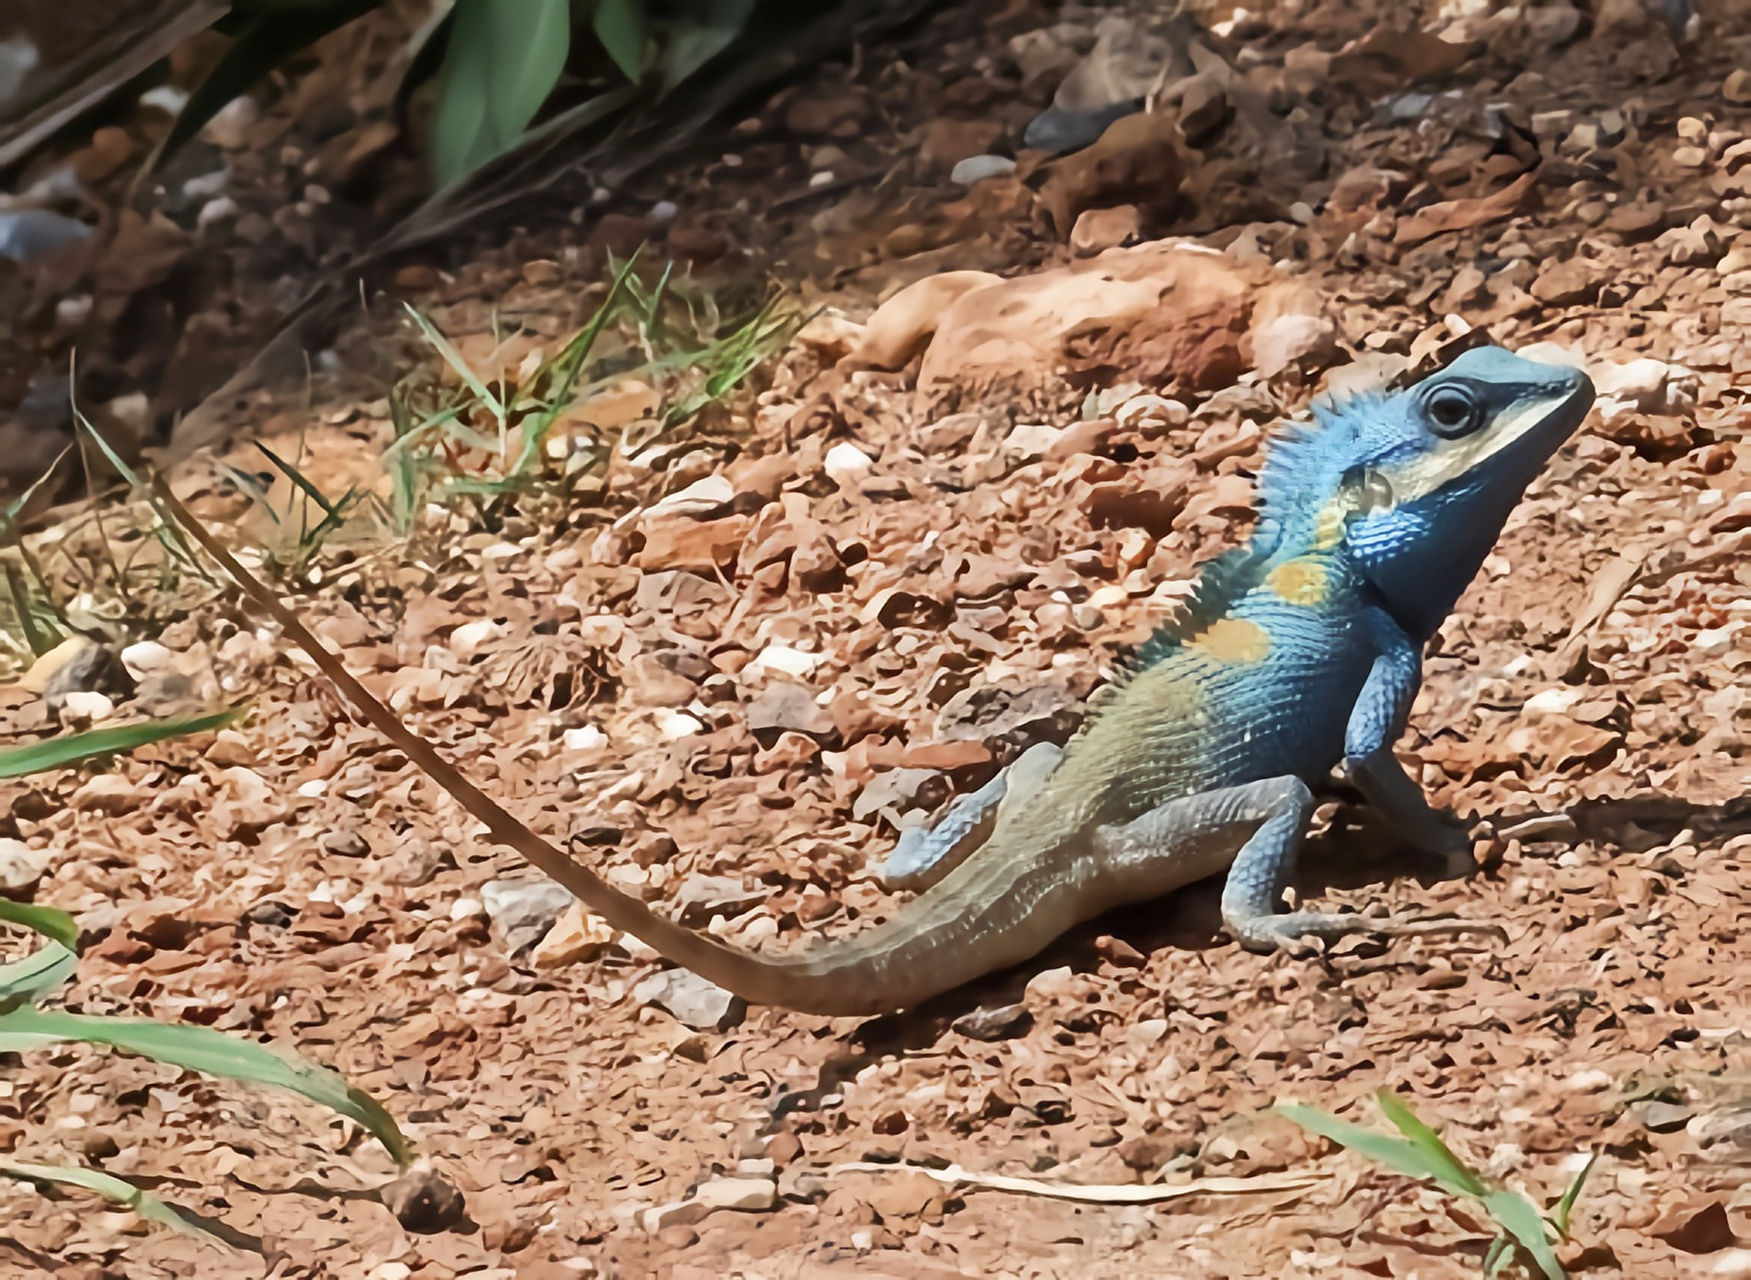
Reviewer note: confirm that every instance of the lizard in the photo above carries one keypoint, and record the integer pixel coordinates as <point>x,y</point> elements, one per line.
<point>1297,654</point>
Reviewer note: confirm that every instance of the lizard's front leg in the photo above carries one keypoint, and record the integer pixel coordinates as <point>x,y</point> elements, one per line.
<point>1375,721</point>
<point>924,855</point>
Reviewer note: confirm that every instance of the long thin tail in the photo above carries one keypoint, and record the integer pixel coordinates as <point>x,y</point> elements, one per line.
<point>927,950</point>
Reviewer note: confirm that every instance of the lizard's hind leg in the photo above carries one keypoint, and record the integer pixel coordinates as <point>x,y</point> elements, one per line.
<point>1187,839</point>
<point>925,855</point>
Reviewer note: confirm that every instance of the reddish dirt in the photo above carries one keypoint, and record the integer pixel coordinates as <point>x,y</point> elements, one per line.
<point>296,880</point>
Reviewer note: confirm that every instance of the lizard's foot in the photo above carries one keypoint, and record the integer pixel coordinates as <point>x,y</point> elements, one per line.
<point>924,855</point>
<point>1302,933</point>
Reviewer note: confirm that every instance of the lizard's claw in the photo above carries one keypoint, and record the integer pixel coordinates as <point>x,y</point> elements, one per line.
<point>1434,926</point>
<point>1302,934</point>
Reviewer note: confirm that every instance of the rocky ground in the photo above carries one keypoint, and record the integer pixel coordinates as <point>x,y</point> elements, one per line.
<point>746,650</point>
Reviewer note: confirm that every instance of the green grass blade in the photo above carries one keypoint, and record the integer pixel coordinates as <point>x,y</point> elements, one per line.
<point>169,536</point>
<point>18,504</point>
<point>56,753</point>
<point>1498,1255</point>
<point>1559,1217</point>
<point>211,1053</point>
<point>53,923</point>
<point>252,488</point>
<point>43,970</point>
<point>454,359</point>
<point>109,453</point>
<point>111,1188</point>
<point>298,478</point>
<point>24,609</point>
<point>1396,1154</point>
<point>1453,1171</point>
<point>570,361</point>
<point>1520,1218</point>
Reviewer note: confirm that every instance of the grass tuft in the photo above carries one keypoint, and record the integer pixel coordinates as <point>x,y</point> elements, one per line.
<point>1420,1153</point>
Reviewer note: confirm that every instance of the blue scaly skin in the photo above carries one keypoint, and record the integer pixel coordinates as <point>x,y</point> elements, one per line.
<point>1331,603</point>
<point>1298,653</point>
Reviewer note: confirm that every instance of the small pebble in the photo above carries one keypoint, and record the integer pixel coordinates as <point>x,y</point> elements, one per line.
<point>846,464</point>
<point>978,168</point>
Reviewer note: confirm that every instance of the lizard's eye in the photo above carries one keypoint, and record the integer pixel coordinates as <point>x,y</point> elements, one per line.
<point>1453,411</point>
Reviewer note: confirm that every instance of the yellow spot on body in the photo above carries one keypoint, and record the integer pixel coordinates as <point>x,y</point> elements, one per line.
<point>1233,640</point>
<point>1328,530</point>
<point>1299,582</point>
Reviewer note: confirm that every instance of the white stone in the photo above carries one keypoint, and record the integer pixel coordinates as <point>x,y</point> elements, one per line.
<point>1642,379</point>
<point>464,908</point>
<point>747,1194</point>
<point>978,168</point>
<point>88,705</point>
<point>20,865</point>
<point>1714,641</point>
<point>166,98</point>
<point>699,498</point>
<point>675,725</point>
<point>229,128</point>
<point>1030,441</point>
<point>845,463</point>
<point>1152,411</point>
<point>1553,353</point>
<point>784,660</point>
<point>694,1001</point>
<point>587,740</point>
<point>1553,702</point>
<point>467,639</point>
<point>145,657</point>
<point>524,910</point>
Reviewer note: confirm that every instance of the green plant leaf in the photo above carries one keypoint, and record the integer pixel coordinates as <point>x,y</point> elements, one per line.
<point>1395,1153</point>
<point>263,40</point>
<point>56,753</point>
<point>500,63</point>
<point>1520,1218</point>
<point>169,535</point>
<point>619,25</point>
<point>1559,1216</point>
<point>1422,1154</point>
<point>24,608</point>
<point>462,368</point>
<point>210,1052</point>
<point>43,970</point>
<point>696,38</point>
<point>53,923</point>
<point>1451,1170</point>
<point>110,1187</point>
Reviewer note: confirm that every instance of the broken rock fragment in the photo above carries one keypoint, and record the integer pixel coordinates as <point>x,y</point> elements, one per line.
<point>523,910</point>
<point>694,1002</point>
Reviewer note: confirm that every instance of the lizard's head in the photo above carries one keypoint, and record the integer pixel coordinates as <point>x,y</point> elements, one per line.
<point>1417,484</point>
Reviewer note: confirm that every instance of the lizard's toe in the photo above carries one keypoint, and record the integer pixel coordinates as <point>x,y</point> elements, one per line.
<point>1435,926</point>
<point>1302,934</point>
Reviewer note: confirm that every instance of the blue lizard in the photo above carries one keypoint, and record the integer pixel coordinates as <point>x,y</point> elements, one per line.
<point>1298,653</point>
